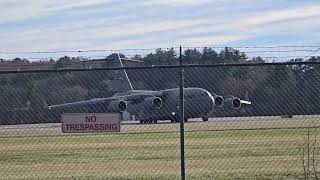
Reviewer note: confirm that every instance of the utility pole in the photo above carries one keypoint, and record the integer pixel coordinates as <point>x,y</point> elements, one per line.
<point>182,156</point>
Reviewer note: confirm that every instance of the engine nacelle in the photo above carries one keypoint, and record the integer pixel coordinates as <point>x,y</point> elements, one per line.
<point>233,102</point>
<point>118,106</point>
<point>154,102</point>
<point>218,101</point>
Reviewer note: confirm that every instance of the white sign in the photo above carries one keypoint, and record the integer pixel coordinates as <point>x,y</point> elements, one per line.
<point>90,122</point>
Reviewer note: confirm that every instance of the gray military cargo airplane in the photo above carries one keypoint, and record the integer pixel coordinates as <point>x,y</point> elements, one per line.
<point>150,106</point>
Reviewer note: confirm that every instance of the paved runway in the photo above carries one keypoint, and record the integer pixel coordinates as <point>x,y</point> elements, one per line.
<point>211,120</point>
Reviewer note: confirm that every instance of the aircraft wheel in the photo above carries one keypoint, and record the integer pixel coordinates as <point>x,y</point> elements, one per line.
<point>144,121</point>
<point>185,119</point>
<point>205,119</point>
<point>155,121</point>
<point>141,121</point>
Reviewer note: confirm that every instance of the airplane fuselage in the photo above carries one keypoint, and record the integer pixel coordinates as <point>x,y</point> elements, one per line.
<point>197,103</point>
<point>141,103</point>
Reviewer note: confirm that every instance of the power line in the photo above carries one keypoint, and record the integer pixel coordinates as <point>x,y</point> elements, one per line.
<point>131,56</point>
<point>254,47</point>
<point>281,57</point>
<point>311,53</point>
<point>167,48</point>
<point>80,51</point>
<point>282,51</point>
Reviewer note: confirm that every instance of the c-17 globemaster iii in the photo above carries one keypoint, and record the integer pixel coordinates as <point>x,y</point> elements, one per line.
<point>150,106</point>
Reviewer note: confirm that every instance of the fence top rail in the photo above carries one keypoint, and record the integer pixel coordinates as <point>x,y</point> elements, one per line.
<point>160,67</point>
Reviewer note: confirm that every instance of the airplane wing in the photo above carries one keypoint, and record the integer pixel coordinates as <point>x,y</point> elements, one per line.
<point>110,104</point>
<point>235,102</point>
<point>86,102</point>
<point>230,101</point>
<point>245,102</point>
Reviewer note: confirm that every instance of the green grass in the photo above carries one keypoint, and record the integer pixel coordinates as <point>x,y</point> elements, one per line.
<point>214,150</point>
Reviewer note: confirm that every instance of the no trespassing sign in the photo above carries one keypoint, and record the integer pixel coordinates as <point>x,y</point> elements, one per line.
<point>90,122</point>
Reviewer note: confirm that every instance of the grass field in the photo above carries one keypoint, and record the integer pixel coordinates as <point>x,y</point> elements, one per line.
<point>226,149</point>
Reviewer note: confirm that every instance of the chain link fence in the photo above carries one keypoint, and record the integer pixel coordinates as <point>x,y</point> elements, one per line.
<point>241,121</point>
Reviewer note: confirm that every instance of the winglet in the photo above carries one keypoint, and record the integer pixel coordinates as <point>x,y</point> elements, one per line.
<point>125,73</point>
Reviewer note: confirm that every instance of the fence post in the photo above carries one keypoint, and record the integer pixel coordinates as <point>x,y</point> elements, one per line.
<point>181,84</point>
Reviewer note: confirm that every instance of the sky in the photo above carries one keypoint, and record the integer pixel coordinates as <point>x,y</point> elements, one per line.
<point>30,26</point>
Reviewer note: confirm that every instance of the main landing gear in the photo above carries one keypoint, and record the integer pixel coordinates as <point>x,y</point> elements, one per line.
<point>148,122</point>
<point>205,118</point>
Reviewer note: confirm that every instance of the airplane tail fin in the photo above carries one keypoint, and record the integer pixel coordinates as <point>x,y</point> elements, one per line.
<point>125,73</point>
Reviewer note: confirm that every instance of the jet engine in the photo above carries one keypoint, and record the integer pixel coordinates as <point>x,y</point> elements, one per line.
<point>218,101</point>
<point>118,106</point>
<point>233,102</point>
<point>154,102</point>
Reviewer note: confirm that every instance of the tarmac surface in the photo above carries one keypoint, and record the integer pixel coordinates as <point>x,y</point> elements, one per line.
<point>252,119</point>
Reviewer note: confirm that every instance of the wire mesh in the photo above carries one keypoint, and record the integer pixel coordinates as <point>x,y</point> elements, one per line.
<point>273,137</point>
<point>33,146</point>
